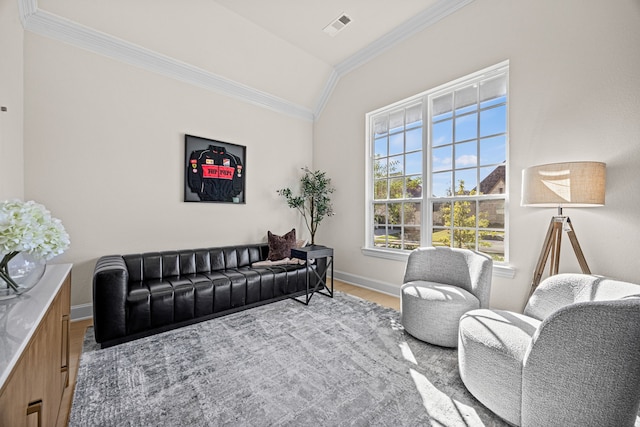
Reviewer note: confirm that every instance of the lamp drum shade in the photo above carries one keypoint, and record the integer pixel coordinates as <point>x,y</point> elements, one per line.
<point>579,184</point>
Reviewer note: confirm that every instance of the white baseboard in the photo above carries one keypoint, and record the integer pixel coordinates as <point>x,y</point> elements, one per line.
<point>82,311</point>
<point>363,282</point>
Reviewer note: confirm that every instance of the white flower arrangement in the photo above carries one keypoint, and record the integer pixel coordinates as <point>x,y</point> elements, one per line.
<point>28,227</point>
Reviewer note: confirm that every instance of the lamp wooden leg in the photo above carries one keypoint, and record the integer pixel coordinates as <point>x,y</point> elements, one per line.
<point>555,249</point>
<point>577,249</point>
<point>544,254</point>
<point>552,244</point>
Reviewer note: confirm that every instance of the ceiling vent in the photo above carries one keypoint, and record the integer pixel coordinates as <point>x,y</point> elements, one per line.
<point>337,25</point>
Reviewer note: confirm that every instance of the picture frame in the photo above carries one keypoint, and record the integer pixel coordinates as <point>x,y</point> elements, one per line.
<point>214,171</point>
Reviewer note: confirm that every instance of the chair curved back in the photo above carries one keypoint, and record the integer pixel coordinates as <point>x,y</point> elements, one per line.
<point>583,364</point>
<point>561,290</point>
<point>463,268</point>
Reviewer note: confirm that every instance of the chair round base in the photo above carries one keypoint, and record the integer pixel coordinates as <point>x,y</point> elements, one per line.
<point>431,311</point>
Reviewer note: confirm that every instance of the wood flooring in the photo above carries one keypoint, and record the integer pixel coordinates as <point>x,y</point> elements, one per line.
<point>78,329</point>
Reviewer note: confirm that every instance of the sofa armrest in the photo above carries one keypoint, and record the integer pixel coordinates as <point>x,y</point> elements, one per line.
<point>110,281</point>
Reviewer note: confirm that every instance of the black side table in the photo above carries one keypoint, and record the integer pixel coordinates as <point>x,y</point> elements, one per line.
<point>316,252</point>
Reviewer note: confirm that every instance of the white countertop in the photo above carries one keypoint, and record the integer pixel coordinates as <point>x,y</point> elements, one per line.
<point>20,316</point>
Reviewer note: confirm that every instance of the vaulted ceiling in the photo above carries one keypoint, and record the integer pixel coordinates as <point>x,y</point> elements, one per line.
<point>271,53</point>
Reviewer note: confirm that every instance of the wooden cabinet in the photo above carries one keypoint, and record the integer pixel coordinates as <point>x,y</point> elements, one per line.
<point>32,391</point>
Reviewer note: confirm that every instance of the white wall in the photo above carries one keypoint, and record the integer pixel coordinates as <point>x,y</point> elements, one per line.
<point>574,93</point>
<point>104,143</point>
<point>11,94</point>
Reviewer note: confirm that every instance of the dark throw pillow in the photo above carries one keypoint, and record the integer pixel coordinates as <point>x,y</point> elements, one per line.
<point>280,246</point>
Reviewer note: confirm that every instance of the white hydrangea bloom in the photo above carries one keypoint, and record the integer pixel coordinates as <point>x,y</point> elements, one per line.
<point>29,227</point>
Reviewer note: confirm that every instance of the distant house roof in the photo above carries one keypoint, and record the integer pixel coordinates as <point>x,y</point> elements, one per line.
<point>491,184</point>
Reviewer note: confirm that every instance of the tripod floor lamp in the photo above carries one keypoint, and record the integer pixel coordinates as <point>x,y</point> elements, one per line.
<point>558,185</point>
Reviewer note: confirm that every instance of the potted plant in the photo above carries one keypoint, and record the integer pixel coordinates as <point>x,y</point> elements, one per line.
<point>314,201</point>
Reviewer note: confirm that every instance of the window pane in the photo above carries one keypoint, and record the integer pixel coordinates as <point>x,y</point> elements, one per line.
<point>380,237</point>
<point>396,121</point>
<point>493,151</point>
<point>442,133</point>
<point>464,214</point>
<point>466,127</point>
<point>395,188</point>
<point>412,213</point>
<point>493,121</point>
<point>441,237</point>
<point>380,168</point>
<point>380,192</point>
<point>466,182</point>
<point>394,237</point>
<point>379,224</point>
<point>441,183</point>
<point>379,213</point>
<point>414,115</point>
<point>380,125</point>
<point>491,213</point>
<point>396,143</point>
<point>396,165</point>
<point>380,147</point>
<point>441,159</point>
<point>493,89</point>
<point>395,213</point>
<point>413,163</point>
<point>465,239</point>
<point>466,155</point>
<point>442,107</point>
<point>493,180</point>
<point>492,244</point>
<point>466,99</point>
<point>441,211</point>
<point>414,139</point>
<point>411,238</point>
<point>414,186</point>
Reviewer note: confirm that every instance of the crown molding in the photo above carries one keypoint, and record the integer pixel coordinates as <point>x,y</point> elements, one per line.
<point>59,28</point>
<point>421,21</point>
<point>326,92</point>
<point>62,29</point>
<point>26,9</point>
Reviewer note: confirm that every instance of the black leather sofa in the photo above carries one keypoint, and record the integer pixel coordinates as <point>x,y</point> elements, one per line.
<point>143,294</point>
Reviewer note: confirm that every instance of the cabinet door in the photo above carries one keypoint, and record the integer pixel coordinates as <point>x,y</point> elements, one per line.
<point>31,395</point>
<point>13,400</point>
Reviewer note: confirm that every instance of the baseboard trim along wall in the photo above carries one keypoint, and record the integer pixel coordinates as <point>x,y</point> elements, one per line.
<point>363,282</point>
<point>82,311</point>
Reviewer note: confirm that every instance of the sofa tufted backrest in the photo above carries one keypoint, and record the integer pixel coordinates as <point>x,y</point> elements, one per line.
<point>157,265</point>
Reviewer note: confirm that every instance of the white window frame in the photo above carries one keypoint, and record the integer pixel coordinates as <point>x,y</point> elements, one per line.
<point>369,248</point>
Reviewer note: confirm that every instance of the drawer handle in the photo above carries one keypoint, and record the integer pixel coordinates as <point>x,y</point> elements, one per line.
<point>36,408</point>
<point>65,343</point>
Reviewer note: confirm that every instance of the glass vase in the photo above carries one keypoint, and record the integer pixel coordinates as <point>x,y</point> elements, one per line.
<point>25,270</point>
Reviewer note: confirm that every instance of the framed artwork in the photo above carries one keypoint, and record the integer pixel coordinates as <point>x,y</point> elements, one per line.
<point>214,171</point>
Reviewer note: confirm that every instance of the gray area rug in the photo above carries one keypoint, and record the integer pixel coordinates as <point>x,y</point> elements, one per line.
<point>338,362</point>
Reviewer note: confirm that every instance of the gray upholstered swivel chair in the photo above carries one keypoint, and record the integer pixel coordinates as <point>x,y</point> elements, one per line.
<point>440,285</point>
<point>572,358</point>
